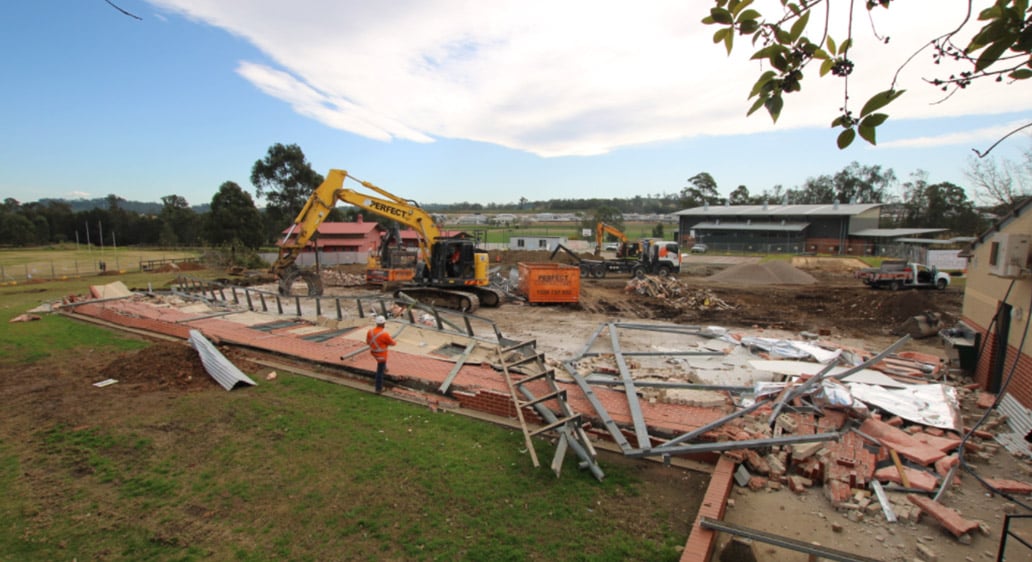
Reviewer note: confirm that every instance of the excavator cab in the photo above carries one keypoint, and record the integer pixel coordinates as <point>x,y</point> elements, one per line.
<point>454,261</point>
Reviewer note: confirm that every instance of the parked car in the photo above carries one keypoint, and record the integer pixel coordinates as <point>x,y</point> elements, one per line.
<point>612,247</point>
<point>699,249</point>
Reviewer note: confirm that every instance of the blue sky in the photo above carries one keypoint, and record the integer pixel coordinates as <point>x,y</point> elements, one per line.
<point>444,101</point>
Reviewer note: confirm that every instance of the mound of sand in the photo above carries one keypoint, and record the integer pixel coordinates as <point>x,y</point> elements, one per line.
<point>769,273</point>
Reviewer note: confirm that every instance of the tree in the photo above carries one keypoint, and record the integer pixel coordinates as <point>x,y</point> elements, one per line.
<point>740,196</point>
<point>854,183</point>
<point>286,180</point>
<point>179,222</point>
<point>701,189</point>
<point>1001,49</point>
<point>233,218</point>
<point>1001,185</point>
<point>940,205</point>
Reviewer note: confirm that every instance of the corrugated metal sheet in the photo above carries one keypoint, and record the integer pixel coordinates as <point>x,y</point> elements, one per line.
<point>776,210</point>
<point>221,369</point>
<point>776,226</point>
<point>1019,419</point>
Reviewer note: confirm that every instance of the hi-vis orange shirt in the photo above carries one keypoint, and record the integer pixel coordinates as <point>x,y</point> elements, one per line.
<point>379,339</point>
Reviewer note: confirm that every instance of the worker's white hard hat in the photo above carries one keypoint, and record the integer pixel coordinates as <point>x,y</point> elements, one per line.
<point>380,320</point>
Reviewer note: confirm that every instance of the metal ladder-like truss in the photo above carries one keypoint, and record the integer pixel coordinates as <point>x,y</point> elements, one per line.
<point>522,365</point>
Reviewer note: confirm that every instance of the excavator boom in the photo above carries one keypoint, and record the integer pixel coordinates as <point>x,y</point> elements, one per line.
<point>466,270</point>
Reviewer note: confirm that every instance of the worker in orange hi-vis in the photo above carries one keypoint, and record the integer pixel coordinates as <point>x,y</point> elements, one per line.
<point>379,339</point>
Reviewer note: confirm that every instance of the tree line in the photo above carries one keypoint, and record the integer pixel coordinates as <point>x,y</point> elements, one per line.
<point>285,180</point>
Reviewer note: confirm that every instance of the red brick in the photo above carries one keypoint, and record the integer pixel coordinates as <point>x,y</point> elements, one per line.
<point>949,518</point>
<point>918,478</point>
<point>985,400</point>
<point>905,444</point>
<point>1009,486</point>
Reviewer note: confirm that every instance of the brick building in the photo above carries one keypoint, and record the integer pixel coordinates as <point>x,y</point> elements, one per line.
<point>997,303</point>
<point>358,236</point>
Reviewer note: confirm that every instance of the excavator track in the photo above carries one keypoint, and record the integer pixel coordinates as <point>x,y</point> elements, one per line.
<point>490,297</point>
<point>444,298</point>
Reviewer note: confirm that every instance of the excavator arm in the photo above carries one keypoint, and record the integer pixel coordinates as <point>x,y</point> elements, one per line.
<point>601,229</point>
<point>322,201</point>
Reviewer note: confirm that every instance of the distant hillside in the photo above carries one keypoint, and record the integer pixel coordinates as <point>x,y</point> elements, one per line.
<point>140,207</point>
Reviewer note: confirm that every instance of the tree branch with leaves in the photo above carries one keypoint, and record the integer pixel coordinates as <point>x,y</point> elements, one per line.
<point>789,42</point>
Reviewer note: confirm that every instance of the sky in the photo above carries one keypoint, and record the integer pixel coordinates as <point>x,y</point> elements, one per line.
<point>445,101</point>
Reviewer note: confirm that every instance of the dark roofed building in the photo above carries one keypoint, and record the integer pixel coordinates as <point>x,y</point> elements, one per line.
<point>826,229</point>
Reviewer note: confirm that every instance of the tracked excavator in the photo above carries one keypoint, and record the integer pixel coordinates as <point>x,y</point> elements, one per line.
<point>452,272</point>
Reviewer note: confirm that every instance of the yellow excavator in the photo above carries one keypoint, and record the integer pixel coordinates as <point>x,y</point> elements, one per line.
<point>626,249</point>
<point>452,272</point>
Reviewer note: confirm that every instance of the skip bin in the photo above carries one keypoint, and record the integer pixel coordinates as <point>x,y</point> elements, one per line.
<point>549,282</point>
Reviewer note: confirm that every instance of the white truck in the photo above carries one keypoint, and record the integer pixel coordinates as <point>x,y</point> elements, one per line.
<point>896,275</point>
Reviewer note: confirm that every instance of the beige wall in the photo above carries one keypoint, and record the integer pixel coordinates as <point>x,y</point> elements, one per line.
<point>984,292</point>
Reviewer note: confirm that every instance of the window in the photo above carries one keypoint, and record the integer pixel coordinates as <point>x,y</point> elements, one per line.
<point>520,243</point>
<point>542,243</point>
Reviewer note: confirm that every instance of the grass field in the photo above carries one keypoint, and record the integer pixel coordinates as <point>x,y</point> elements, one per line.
<point>57,262</point>
<point>296,469</point>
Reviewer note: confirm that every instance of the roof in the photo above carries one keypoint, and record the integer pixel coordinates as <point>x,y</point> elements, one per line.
<point>894,232</point>
<point>359,228</point>
<point>938,241</point>
<point>778,210</point>
<point>775,226</point>
<point>1019,209</point>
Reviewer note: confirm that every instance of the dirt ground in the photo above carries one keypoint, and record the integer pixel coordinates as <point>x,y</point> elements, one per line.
<point>833,305</point>
<point>840,309</point>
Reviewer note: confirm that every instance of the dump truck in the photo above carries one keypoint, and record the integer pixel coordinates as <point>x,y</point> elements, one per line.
<point>895,275</point>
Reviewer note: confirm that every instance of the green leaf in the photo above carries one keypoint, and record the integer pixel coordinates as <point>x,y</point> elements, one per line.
<point>845,46</point>
<point>774,105</point>
<point>719,34</point>
<point>729,41</point>
<point>748,27</point>
<point>721,16</point>
<point>880,100</point>
<point>873,120</point>
<point>845,138</point>
<point>708,20</point>
<point>992,53</point>
<point>779,62</point>
<point>831,46</point>
<point>749,15</point>
<point>799,26</point>
<point>826,66</point>
<point>739,6</point>
<point>768,52</point>
<point>867,133</point>
<point>759,103</point>
<point>1021,74</point>
<point>782,36</point>
<point>761,82</point>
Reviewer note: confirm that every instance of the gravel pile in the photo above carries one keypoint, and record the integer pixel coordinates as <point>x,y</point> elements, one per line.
<point>767,273</point>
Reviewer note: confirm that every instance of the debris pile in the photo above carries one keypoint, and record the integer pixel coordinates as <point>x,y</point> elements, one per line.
<point>340,278</point>
<point>677,293</point>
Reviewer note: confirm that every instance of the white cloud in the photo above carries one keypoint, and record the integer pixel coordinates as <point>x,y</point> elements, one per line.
<point>552,78</point>
<point>986,135</point>
<point>78,195</point>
